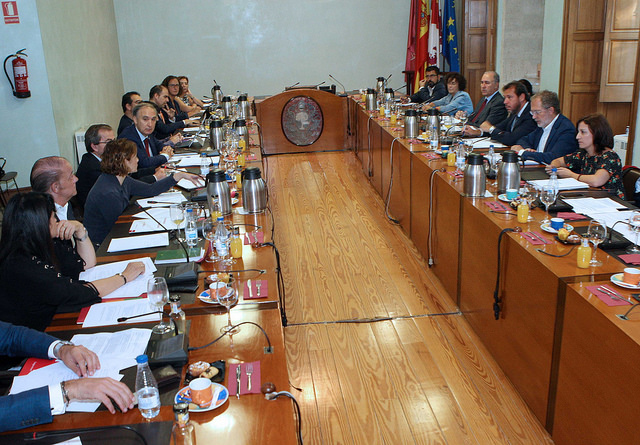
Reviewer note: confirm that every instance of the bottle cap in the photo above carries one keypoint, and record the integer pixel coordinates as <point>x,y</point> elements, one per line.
<point>174,298</point>
<point>220,218</point>
<point>142,358</point>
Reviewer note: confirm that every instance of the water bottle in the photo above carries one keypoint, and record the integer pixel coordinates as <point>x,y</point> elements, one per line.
<point>493,170</point>
<point>221,239</point>
<point>434,137</point>
<point>460,157</point>
<point>205,165</point>
<point>183,431</point>
<point>553,181</point>
<point>191,229</point>
<point>177,314</point>
<point>146,389</point>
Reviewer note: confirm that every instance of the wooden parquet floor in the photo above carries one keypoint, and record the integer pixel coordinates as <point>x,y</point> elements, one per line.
<point>380,351</point>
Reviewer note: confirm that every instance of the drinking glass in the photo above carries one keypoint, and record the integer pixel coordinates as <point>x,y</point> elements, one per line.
<point>463,116</point>
<point>596,233</point>
<point>158,295</point>
<point>227,297</point>
<point>634,223</point>
<point>529,193</point>
<point>176,212</point>
<point>547,197</point>
<point>468,147</point>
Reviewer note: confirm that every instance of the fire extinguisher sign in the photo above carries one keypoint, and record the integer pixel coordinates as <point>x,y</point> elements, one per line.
<point>10,12</point>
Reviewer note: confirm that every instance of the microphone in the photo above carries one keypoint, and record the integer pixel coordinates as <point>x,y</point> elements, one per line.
<point>316,86</point>
<point>186,251</point>
<point>288,88</point>
<point>344,90</point>
<point>400,87</point>
<point>214,81</point>
<point>121,319</point>
<point>387,79</point>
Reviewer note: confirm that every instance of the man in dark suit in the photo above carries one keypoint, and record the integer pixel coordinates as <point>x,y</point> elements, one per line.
<point>167,125</point>
<point>38,405</point>
<point>431,87</point>
<point>519,123</point>
<point>555,135</point>
<point>151,153</point>
<point>491,107</point>
<point>129,100</point>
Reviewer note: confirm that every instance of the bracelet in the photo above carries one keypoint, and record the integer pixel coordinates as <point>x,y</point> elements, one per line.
<point>65,394</point>
<point>578,178</point>
<point>123,277</point>
<point>86,234</point>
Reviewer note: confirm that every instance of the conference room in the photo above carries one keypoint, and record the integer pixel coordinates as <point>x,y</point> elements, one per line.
<point>373,277</point>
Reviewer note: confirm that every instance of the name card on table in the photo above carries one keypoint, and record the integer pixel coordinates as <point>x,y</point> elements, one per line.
<point>139,242</point>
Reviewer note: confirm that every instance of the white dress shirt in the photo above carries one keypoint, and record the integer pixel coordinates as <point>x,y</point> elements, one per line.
<point>545,135</point>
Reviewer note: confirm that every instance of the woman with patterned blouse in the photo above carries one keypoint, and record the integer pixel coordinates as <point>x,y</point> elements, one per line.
<point>40,265</point>
<point>595,162</point>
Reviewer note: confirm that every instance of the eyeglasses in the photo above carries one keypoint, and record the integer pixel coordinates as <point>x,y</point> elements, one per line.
<point>174,85</point>
<point>536,112</point>
<point>104,142</point>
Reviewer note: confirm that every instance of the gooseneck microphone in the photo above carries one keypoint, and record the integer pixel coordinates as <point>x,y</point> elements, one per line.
<point>288,88</point>
<point>344,90</point>
<point>316,86</point>
<point>387,79</point>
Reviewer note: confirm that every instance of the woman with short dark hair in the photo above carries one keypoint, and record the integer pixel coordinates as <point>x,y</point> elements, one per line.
<point>40,266</point>
<point>456,100</point>
<point>111,193</point>
<point>595,162</point>
<point>182,110</point>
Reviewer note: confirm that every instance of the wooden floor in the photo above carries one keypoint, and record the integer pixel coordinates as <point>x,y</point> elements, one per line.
<point>381,353</point>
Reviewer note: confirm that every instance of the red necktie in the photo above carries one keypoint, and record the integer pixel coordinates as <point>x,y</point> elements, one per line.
<point>484,103</point>
<point>146,146</point>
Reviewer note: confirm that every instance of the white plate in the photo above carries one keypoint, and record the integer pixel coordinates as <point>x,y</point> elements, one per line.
<point>205,296</point>
<point>617,280</point>
<point>183,396</point>
<point>503,197</point>
<point>547,228</point>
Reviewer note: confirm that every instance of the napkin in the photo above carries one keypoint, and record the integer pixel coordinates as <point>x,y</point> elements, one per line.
<point>250,237</point>
<point>631,258</point>
<point>571,216</point>
<point>254,290</point>
<point>244,379</point>
<point>498,206</point>
<point>456,174</point>
<point>250,157</point>
<point>605,298</point>
<point>430,155</point>
<point>533,239</point>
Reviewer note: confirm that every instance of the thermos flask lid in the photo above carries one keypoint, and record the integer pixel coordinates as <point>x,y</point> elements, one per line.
<point>240,123</point>
<point>371,91</point>
<point>217,175</point>
<point>226,99</point>
<point>252,173</point>
<point>410,113</point>
<point>388,90</point>
<point>509,156</point>
<point>216,123</point>
<point>475,159</point>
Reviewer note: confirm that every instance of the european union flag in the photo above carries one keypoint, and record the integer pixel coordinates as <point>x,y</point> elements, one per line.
<point>450,36</point>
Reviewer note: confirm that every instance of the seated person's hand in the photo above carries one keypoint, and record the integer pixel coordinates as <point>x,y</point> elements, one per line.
<point>170,111</point>
<point>422,82</point>
<point>469,130</point>
<point>195,179</point>
<point>563,172</point>
<point>191,123</point>
<point>68,228</point>
<point>105,390</point>
<point>176,138</point>
<point>133,270</point>
<point>160,173</point>
<point>486,126</point>
<point>79,359</point>
<point>426,107</point>
<point>166,150</point>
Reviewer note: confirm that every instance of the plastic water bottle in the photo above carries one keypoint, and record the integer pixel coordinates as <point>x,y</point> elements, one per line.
<point>205,165</point>
<point>191,229</point>
<point>177,314</point>
<point>147,389</point>
<point>221,236</point>
<point>434,137</point>
<point>553,180</point>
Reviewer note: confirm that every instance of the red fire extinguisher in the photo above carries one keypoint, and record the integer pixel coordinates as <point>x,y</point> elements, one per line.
<point>20,74</point>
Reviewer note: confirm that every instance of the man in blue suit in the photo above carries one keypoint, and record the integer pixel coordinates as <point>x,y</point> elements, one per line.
<point>38,405</point>
<point>555,135</point>
<point>151,153</point>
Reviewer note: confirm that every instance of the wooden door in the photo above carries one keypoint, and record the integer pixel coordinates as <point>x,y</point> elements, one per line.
<point>478,51</point>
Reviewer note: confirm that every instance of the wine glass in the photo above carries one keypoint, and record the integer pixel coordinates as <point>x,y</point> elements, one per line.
<point>468,147</point>
<point>463,116</point>
<point>176,212</point>
<point>227,296</point>
<point>634,223</point>
<point>597,233</point>
<point>547,197</point>
<point>158,295</point>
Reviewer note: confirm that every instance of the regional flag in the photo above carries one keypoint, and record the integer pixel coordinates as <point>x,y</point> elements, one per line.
<point>450,36</point>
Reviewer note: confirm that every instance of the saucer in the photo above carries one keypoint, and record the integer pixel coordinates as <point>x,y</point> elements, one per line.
<point>184,396</point>
<point>503,197</point>
<point>617,280</point>
<point>547,228</point>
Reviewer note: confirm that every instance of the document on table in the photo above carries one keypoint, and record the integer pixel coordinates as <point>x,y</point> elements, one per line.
<point>149,225</point>
<point>187,160</point>
<point>157,213</point>
<point>592,206</point>
<point>133,288</point>
<point>116,349</point>
<point>139,242</point>
<point>106,314</point>
<point>162,200</point>
<point>484,143</point>
<point>188,185</point>
<point>563,184</point>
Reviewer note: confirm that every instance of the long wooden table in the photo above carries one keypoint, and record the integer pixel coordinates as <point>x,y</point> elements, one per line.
<point>528,340</point>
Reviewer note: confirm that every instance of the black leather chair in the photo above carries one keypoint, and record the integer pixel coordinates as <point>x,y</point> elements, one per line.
<point>5,182</point>
<point>629,177</point>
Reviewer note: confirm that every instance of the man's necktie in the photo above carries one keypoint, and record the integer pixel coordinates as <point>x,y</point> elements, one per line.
<point>146,146</point>
<point>513,123</point>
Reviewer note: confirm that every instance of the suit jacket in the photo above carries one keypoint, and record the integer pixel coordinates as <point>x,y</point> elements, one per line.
<point>165,128</point>
<point>89,171</point>
<point>144,160</point>
<point>494,111</point>
<point>561,141</point>
<point>125,121</point>
<point>30,407</point>
<point>423,96</point>
<point>522,127</point>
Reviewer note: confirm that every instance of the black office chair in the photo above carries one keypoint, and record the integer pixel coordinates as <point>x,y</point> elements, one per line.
<point>630,176</point>
<point>5,179</point>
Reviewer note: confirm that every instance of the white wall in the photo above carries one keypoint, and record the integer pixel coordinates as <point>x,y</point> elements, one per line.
<point>260,46</point>
<point>26,125</point>
<point>551,45</point>
<point>83,64</point>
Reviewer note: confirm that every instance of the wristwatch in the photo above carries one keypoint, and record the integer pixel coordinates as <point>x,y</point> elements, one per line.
<point>56,348</point>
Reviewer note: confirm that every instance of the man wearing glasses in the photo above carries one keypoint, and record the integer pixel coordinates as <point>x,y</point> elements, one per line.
<point>555,135</point>
<point>431,87</point>
<point>95,139</point>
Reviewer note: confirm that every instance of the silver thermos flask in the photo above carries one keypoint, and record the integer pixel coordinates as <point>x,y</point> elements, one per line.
<point>216,94</point>
<point>226,106</point>
<point>475,178</point>
<point>216,134</point>
<point>411,124</point>
<point>508,172</point>
<point>217,187</point>
<point>388,94</point>
<point>254,191</point>
<point>243,107</point>
<point>371,99</point>
<point>381,85</point>
<point>241,127</point>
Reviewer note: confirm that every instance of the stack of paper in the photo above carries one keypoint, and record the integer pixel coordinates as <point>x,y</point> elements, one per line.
<point>133,288</point>
<point>162,200</point>
<point>563,184</point>
<point>138,242</point>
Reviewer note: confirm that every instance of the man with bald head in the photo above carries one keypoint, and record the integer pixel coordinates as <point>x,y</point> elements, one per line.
<point>491,107</point>
<point>54,175</point>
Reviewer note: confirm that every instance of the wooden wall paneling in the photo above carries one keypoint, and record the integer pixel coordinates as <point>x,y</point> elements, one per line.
<point>400,201</point>
<point>618,115</point>
<point>363,143</point>
<point>620,49</point>
<point>478,50</point>
<point>375,136</point>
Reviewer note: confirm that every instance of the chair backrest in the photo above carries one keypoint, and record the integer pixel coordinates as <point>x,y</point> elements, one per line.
<point>630,176</point>
<point>2,162</point>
